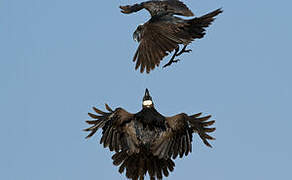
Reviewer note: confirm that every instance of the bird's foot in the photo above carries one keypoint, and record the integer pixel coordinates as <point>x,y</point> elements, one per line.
<point>184,50</point>
<point>170,62</point>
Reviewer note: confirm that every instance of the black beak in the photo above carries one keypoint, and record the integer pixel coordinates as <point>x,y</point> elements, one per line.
<point>147,95</point>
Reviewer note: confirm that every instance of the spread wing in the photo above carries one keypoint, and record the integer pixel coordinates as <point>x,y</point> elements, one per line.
<point>157,40</point>
<point>177,140</point>
<point>159,7</point>
<point>117,133</point>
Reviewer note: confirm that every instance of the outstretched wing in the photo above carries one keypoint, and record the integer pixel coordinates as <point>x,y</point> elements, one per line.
<point>117,133</point>
<point>177,140</point>
<point>157,40</point>
<point>200,125</point>
<point>159,7</point>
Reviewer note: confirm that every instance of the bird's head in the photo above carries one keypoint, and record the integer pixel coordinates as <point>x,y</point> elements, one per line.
<point>147,100</point>
<point>138,32</point>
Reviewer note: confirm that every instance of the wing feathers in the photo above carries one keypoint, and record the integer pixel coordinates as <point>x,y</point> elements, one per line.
<point>155,43</point>
<point>104,136</point>
<point>113,125</point>
<point>201,126</point>
<point>99,111</point>
<point>108,108</point>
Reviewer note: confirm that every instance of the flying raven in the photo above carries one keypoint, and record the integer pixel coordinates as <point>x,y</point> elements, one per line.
<point>147,141</point>
<point>164,32</point>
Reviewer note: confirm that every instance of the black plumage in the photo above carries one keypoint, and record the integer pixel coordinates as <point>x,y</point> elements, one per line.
<point>146,142</point>
<point>164,32</point>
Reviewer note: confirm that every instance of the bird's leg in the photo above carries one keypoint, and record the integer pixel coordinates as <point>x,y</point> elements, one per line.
<point>184,50</point>
<point>172,60</point>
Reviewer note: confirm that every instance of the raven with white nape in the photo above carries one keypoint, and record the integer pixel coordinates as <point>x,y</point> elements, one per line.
<point>164,32</point>
<point>147,141</point>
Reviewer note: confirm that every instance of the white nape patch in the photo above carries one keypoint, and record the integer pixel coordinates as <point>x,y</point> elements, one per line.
<point>147,103</point>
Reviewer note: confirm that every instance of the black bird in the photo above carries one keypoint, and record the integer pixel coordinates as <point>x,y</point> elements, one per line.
<point>164,32</point>
<point>148,141</point>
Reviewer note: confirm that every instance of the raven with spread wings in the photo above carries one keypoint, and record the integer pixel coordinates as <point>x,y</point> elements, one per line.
<point>164,32</point>
<point>146,142</point>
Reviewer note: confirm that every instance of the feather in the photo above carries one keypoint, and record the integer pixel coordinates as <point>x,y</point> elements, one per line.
<point>98,111</point>
<point>181,152</point>
<point>110,139</point>
<point>171,148</point>
<point>209,123</point>
<point>195,115</point>
<point>141,167</point>
<point>104,136</point>
<point>164,153</point>
<point>122,167</point>
<point>116,141</point>
<point>135,58</point>
<point>206,143</point>
<point>142,56</point>
<point>93,122</point>
<point>94,116</point>
<point>91,133</point>
<point>188,143</point>
<point>165,171</point>
<point>108,108</point>
<point>204,118</point>
<point>184,144</point>
<point>176,147</point>
<point>130,144</point>
<point>170,165</point>
<point>161,148</point>
<point>158,169</point>
<point>95,127</point>
<point>155,167</point>
<point>208,137</point>
<point>119,157</point>
<point>150,168</point>
<point>209,129</point>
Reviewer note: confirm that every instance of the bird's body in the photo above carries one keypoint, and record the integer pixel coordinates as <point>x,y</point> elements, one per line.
<point>164,32</point>
<point>148,141</point>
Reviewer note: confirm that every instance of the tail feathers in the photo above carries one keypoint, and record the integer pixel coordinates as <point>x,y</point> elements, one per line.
<point>198,25</point>
<point>207,19</point>
<point>137,165</point>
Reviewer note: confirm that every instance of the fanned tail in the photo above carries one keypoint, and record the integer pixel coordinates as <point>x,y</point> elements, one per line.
<point>137,165</point>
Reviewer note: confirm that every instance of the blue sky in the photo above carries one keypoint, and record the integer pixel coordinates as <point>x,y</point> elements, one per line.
<point>59,58</point>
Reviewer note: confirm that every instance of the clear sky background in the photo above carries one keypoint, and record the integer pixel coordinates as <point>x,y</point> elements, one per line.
<point>59,58</point>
